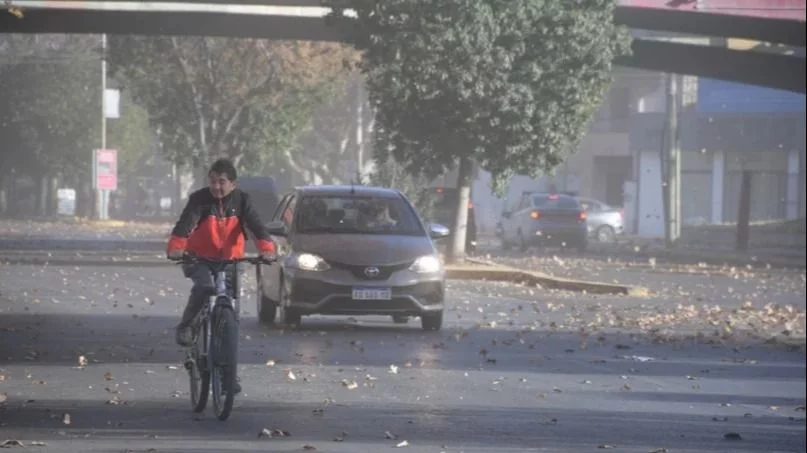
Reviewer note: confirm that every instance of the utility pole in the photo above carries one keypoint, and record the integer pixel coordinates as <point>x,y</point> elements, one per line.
<point>103,195</point>
<point>671,164</point>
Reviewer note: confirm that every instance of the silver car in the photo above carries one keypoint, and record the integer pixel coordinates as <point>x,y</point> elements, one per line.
<point>352,250</point>
<point>605,223</point>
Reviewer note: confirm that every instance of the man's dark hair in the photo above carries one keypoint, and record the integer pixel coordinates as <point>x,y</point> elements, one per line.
<point>224,166</point>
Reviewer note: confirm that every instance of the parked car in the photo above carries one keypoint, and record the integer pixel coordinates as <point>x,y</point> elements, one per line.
<point>544,219</point>
<point>445,202</point>
<point>352,250</point>
<point>605,223</point>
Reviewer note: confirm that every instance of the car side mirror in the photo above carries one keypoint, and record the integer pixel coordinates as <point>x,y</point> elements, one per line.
<point>277,228</point>
<point>437,231</point>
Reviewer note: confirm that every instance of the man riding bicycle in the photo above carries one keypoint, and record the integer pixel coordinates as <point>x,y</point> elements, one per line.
<point>213,225</point>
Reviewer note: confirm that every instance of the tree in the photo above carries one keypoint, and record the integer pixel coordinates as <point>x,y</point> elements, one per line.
<point>48,111</point>
<point>507,84</point>
<point>241,98</point>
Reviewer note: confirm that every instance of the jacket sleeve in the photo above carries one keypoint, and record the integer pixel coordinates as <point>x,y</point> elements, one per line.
<point>253,222</point>
<point>187,222</point>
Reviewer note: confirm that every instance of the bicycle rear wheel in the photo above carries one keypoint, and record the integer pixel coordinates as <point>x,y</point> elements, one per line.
<point>198,371</point>
<point>224,350</point>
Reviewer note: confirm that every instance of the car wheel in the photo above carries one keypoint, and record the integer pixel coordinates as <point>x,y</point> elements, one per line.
<point>606,234</point>
<point>267,308</point>
<point>582,246</point>
<point>288,316</point>
<point>522,244</point>
<point>432,321</point>
<point>400,319</point>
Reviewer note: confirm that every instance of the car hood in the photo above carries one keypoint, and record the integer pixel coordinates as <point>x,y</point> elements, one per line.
<point>364,249</point>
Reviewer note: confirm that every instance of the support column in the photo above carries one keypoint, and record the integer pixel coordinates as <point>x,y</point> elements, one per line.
<point>792,197</point>
<point>718,185</point>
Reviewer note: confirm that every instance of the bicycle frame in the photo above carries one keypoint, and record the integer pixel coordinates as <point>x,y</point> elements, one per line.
<point>220,298</point>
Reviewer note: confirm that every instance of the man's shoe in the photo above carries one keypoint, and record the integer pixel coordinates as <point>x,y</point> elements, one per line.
<point>184,336</point>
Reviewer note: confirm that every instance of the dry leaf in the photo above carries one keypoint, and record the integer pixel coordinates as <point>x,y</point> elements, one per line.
<point>66,419</point>
<point>309,447</point>
<point>9,443</point>
<point>733,436</point>
<point>402,444</point>
<point>82,361</point>
<point>108,376</point>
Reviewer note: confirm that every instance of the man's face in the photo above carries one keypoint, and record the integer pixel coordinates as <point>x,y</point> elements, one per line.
<point>220,185</point>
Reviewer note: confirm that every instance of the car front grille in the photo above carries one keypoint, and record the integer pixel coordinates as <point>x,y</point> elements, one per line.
<point>358,271</point>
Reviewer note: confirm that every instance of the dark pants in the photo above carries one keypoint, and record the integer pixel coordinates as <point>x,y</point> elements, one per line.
<point>203,282</point>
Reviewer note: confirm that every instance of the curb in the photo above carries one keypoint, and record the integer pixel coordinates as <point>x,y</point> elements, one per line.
<point>479,270</point>
<point>497,272</point>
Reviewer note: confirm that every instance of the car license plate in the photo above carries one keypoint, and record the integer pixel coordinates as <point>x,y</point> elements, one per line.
<point>372,294</point>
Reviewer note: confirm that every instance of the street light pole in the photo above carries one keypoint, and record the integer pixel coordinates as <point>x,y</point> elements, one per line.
<point>102,195</point>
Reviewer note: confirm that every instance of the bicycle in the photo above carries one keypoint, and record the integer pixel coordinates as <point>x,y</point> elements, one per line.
<point>212,358</point>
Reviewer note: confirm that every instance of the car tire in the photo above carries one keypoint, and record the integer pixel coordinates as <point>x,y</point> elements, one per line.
<point>522,243</point>
<point>432,321</point>
<point>400,319</point>
<point>582,246</point>
<point>288,316</point>
<point>606,235</point>
<point>267,308</point>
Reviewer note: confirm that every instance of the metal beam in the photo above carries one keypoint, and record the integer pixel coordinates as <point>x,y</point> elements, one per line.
<point>779,31</point>
<point>83,21</point>
<point>753,68</point>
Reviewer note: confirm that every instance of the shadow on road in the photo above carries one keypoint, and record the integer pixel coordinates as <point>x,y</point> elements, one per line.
<point>47,339</point>
<point>573,429</point>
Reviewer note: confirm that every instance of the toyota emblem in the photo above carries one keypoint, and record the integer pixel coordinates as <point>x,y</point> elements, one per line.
<point>372,272</point>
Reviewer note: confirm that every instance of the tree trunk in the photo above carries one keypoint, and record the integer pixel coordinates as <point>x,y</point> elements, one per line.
<point>53,196</point>
<point>4,189</point>
<point>457,251</point>
<point>42,196</point>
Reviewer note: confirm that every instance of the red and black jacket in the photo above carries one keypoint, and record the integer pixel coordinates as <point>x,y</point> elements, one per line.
<point>216,229</point>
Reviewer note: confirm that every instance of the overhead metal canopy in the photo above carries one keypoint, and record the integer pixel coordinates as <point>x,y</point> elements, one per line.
<point>303,20</point>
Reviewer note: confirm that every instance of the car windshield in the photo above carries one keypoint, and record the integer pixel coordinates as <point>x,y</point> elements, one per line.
<point>357,215</point>
<point>555,202</point>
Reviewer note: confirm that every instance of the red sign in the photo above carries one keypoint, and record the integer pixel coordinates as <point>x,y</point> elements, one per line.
<point>774,9</point>
<point>106,169</point>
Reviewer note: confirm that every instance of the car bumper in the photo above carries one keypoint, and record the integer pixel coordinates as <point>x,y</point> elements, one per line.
<point>572,234</point>
<point>331,292</point>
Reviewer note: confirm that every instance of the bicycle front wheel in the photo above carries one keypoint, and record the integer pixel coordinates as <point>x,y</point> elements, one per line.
<point>224,350</point>
<point>198,371</point>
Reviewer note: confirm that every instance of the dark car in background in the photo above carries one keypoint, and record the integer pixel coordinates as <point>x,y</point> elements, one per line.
<point>605,223</point>
<point>444,203</point>
<point>265,197</point>
<point>352,250</point>
<point>540,219</point>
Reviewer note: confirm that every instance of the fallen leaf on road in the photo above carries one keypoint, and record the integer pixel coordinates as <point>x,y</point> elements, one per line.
<point>82,361</point>
<point>733,436</point>
<point>66,419</point>
<point>658,450</point>
<point>10,443</point>
<point>108,376</point>
<point>606,446</point>
<point>270,363</point>
<point>402,444</point>
<point>39,443</point>
<point>800,409</point>
<point>266,432</point>
<point>350,385</point>
<point>291,375</point>
<point>393,369</point>
<point>309,447</point>
<point>389,435</point>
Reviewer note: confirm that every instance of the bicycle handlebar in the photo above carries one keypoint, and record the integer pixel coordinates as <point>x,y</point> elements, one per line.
<point>189,258</point>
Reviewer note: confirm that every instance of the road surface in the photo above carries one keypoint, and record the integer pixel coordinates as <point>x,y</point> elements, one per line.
<point>515,369</point>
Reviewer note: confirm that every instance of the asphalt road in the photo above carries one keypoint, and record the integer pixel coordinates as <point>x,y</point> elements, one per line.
<point>515,369</point>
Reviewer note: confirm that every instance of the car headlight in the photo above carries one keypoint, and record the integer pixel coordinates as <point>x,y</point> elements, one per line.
<point>309,262</point>
<point>426,264</point>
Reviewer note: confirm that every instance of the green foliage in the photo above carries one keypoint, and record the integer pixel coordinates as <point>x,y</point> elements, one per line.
<point>49,110</point>
<point>247,99</point>
<point>510,84</point>
<point>388,173</point>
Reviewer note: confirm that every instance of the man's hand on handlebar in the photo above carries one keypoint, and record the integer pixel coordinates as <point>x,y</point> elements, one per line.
<point>267,257</point>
